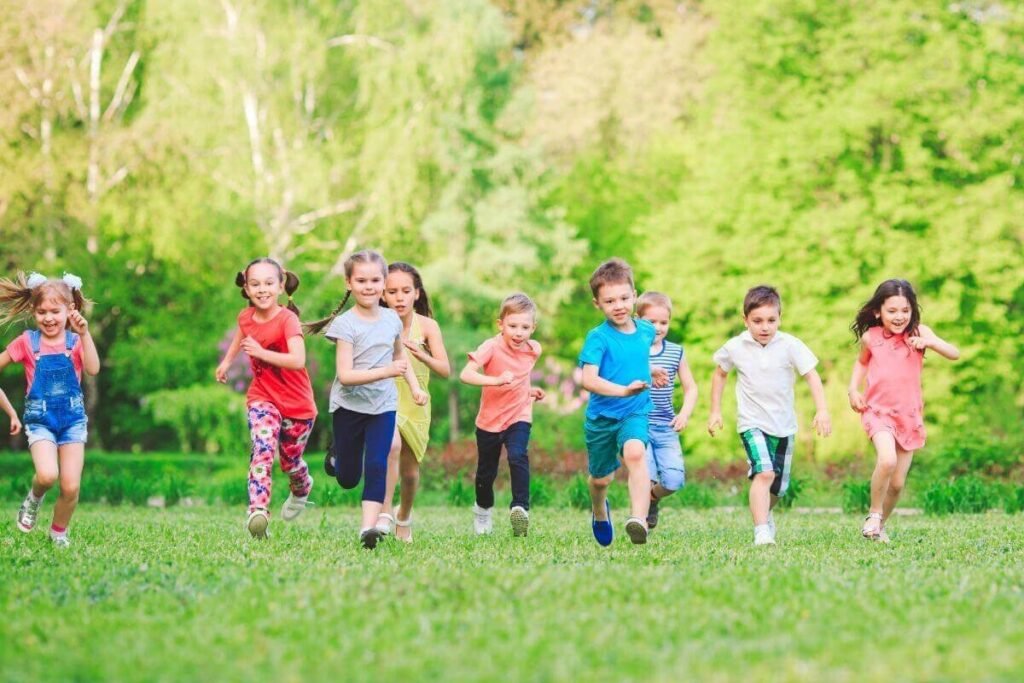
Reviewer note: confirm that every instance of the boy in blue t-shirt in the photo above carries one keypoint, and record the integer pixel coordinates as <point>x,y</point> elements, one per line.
<point>617,374</point>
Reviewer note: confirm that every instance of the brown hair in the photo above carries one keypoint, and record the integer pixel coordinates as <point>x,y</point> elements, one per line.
<point>422,303</point>
<point>364,256</point>
<point>867,316</point>
<point>762,295</point>
<point>648,299</point>
<point>290,280</point>
<point>614,271</point>
<point>18,300</point>
<point>517,303</point>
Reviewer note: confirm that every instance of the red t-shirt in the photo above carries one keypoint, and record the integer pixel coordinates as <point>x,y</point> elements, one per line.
<point>289,390</point>
<point>20,351</point>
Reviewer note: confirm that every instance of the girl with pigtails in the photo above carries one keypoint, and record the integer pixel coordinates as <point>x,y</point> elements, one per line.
<point>54,359</point>
<point>281,409</point>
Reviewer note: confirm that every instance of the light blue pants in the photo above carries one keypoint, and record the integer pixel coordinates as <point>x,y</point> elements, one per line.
<point>665,457</point>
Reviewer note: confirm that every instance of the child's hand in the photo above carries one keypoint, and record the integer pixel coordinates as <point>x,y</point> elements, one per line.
<point>504,378</point>
<point>822,423</point>
<point>398,368</point>
<point>79,325</point>
<point>15,425</point>
<point>537,394</point>
<point>416,350</point>
<point>637,386</point>
<point>714,423</point>
<point>420,397</point>
<point>221,373</point>
<point>252,347</point>
<point>857,401</point>
<point>918,342</point>
<point>679,422</point>
<point>659,377</point>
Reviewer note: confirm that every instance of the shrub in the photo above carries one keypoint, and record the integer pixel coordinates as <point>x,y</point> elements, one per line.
<point>696,496</point>
<point>207,419</point>
<point>578,492</point>
<point>796,487</point>
<point>856,496</point>
<point>542,491</point>
<point>967,494</point>
<point>460,492</point>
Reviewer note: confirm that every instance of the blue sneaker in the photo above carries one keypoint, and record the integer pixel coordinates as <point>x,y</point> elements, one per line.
<point>604,532</point>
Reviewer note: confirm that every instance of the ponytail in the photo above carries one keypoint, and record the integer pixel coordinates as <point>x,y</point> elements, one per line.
<point>317,326</point>
<point>18,297</point>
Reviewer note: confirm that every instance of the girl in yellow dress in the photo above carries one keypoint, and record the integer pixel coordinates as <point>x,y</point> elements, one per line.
<point>404,294</point>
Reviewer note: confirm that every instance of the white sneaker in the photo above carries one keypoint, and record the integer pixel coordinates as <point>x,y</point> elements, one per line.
<point>763,536</point>
<point>520,519</point>
<point>27,514</point>
<point>257,523</point>
<point>294,506</point>
<point>771,523</point>
<point>60,540</point>
<point>482,523</point>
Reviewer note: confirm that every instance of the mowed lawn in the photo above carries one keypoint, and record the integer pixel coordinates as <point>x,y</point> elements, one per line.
<point>185,595</point>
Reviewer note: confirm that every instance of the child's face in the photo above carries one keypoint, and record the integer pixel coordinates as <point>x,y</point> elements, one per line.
<point>894,314</point>
<point>516,328</point>
<point>400,292</point>
<point>616,301</point>
<point>51,317</point>
<point>367,284</point>
<point>263,285</point>
<point>659,316</point>
<point>763,323</point>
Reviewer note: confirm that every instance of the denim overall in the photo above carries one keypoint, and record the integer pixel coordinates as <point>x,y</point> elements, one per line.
<point>54,407</point>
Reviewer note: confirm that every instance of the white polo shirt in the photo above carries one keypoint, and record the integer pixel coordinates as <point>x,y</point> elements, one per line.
<point>764,387</point>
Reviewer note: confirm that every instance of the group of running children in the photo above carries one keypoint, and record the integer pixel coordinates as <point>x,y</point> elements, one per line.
<point>388,345</point>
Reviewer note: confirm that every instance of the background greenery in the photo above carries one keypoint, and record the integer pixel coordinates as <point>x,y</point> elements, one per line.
<point>154,148</point>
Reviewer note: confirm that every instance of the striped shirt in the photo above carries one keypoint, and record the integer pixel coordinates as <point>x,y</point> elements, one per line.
<point>669,358</point>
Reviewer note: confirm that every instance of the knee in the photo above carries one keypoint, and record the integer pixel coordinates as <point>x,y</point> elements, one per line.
<point>601,482</point>
<point>886,465</point>
<point>764,477</point>
<point>673,480</point>
<point>46,479</point>
<point>518,456</point>
<point>896,485</point>
<point>410,474</point>
<point>633,454</point>
<point>69,490</point>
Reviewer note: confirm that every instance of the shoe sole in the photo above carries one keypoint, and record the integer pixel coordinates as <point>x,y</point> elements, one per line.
<point>520,522</point>
<point>370,538</point>
<point>636,531</point>
<point>25,529</point>
<point>328,467</point>
<point>258,526</point>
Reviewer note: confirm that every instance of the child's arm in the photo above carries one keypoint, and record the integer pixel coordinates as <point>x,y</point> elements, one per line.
<point>471,375</point>
<point>860,371</point>
<point>5,404</point>
<point>689,396</point>
<point>437,357</point>
<point>822,421</point>
<point>927,339</point>
<point>596,384</point>
<point>221,373</point>
<point>295,359</point>
<point>90,356</point>
<point>419,397</point>
<point>717,389</point>
<point>349,376</point>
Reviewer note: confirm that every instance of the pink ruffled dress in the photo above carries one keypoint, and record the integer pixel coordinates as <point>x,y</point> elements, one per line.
<point>893,398</point>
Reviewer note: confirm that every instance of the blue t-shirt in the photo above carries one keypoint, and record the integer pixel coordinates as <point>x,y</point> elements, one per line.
<point>620,358</point>
<point>668,358</point>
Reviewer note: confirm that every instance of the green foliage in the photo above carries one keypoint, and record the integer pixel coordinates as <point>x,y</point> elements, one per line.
<point>461,493</point>
<point>856,496</point>
<point>578,492</point>
<point>697,496</point>
<point>542,491</point>
<point>964,494</point>
<point>796,487</point>
<point>208,419</point>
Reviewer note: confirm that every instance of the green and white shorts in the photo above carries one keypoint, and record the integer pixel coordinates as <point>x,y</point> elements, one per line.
<point>767,453</point>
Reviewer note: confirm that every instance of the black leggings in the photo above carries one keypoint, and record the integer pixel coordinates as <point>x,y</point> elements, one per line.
<point>359,437</point>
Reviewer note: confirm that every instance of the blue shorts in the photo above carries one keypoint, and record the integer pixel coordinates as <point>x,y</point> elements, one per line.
<point>665,457</point>
<point>58,424</point>
<point>605,438</point>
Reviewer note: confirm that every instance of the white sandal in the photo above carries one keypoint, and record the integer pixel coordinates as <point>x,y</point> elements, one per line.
<point>872,534</point>
<point>405,524</point>
<point>385,523</point>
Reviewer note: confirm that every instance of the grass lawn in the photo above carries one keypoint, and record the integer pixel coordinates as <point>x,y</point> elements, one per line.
<point>184,595</point>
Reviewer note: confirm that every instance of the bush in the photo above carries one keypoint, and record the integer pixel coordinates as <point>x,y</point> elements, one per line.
<point>856,496</point>
<point>207,419</point>
<point>578,492</point>
<point>967,494</point>
<point>696,496</point>
<point>796,487</point>
<point>542,491</point>
<point>460,492</point>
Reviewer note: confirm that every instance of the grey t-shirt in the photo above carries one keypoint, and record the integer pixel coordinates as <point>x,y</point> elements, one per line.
<point>373,346</point>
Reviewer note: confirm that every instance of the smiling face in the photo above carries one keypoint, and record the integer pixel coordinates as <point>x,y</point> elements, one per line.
<point>516,328</point>
<point>51,314</point>
<point>895,314</point>
<point>400,293</point>
<point>366,283</point>
<point>763,323</point>
<point>263,285</point>
<point>616,301</point>
<point>659,316</point>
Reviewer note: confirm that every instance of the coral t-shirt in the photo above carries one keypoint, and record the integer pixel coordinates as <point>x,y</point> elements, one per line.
<point>289,390</point>
<point>20,351</point>
<point>503,406</point>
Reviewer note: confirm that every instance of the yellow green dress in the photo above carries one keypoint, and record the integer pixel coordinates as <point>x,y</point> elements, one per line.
<point>413,420</point>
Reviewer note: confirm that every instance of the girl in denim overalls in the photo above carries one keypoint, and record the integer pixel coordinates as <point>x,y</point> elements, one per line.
<point>54,357</point>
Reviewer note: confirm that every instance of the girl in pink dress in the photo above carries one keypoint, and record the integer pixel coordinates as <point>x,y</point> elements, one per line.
<point>892,346</point>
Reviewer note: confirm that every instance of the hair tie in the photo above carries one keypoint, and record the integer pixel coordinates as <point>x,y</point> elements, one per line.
<point>35,279</point>
<point>72,281</point>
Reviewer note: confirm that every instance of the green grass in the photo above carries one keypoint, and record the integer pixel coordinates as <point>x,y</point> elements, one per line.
<point>183,595</point>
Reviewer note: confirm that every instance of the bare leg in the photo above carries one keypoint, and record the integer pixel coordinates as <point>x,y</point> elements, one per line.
<point>885,467</point>
<point>897,481</point>
<point>392,477</point>
<point>72,460</point>
<point>760,497</point>
<point>44,457</point>
<point>371,510</point>
<point>634,457</point>
<point>410,474</point>
<point>598,496</point>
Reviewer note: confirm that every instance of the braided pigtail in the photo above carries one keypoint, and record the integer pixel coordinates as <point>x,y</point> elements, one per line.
<point>317,326</point>
<point>291,283</point>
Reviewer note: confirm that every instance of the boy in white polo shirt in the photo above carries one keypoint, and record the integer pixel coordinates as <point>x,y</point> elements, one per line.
<point>765,361</point>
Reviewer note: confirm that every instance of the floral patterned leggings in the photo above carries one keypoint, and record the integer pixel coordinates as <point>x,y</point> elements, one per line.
<point>269,431</point>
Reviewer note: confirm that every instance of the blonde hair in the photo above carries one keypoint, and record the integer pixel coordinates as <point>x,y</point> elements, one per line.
<point>614,271</point>
<point>364,256</point>
<point>517,303</point>
<point>19,300</point>
<point>648,299</point>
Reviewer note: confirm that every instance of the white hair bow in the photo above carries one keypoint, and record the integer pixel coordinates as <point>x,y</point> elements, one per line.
<point>72,281</point>
<point>35,279</point>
